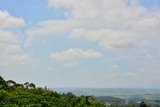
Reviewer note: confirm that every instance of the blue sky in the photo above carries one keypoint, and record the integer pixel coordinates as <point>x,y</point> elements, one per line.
<point>87,43</point>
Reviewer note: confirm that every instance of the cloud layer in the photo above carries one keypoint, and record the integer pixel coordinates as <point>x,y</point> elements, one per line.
<point>112,24</point>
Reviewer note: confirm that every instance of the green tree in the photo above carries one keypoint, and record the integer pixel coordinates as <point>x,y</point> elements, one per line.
<point>17,85</point>
<point>3,95</point>
<point>11,83</point>
<point>3,84</point>
<point>2,81</point>
<point>26,84</point>
<point>31,85</point>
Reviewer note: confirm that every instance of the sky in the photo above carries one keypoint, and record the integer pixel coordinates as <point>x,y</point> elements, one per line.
<point>81,43</point>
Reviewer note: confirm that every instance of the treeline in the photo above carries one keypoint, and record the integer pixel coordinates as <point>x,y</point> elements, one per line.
<point>13,94</point>
<point>120,102</point>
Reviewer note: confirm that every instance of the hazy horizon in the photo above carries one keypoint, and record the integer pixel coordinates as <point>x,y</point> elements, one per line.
<point>81,43</point>
<point>134,88</point>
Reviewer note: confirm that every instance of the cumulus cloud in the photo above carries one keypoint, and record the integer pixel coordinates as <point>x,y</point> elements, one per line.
<point>108,38</point>
<point>88,9</point>
<point>110,23</point>
<point>9,21</point>
<point>71,54</point>
<point>10,43</point>
<point>79,9</point>
<point>10,48</point>
<point>50,27</point>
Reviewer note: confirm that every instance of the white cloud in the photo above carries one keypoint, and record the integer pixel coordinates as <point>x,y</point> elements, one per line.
<point>10,43</point>
<point>86,9</point>
<point>113,24</point>
<point>9,21</point>
<point>17,58</point>
<point>82,10</point>
<point>50,27</point>
<point>107,10</point>
<point>110,23</point>
<point>109,38</point>
<point>71,54</point>
<point>10,48</point>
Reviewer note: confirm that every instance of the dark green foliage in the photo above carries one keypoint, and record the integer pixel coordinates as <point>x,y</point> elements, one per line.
<point>3,83</point>
<point>32,85</point>
<point>13,94</point>
<point>10,83</point>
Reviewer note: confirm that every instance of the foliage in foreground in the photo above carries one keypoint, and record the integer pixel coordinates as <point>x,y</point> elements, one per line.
<point>13,94</point>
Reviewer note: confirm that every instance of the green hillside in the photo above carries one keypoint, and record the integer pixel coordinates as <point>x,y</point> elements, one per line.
<point>13,94</point>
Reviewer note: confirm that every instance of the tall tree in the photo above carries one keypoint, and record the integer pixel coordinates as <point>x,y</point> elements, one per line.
<point>11,83</point>
<point>26,84</point>
<point>31,85</point>
<point>2,82</point>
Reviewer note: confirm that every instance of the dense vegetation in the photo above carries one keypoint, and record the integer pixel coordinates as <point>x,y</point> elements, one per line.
<point>13,94</point>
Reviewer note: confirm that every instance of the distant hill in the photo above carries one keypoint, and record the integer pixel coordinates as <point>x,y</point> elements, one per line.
<point>120,96</point>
